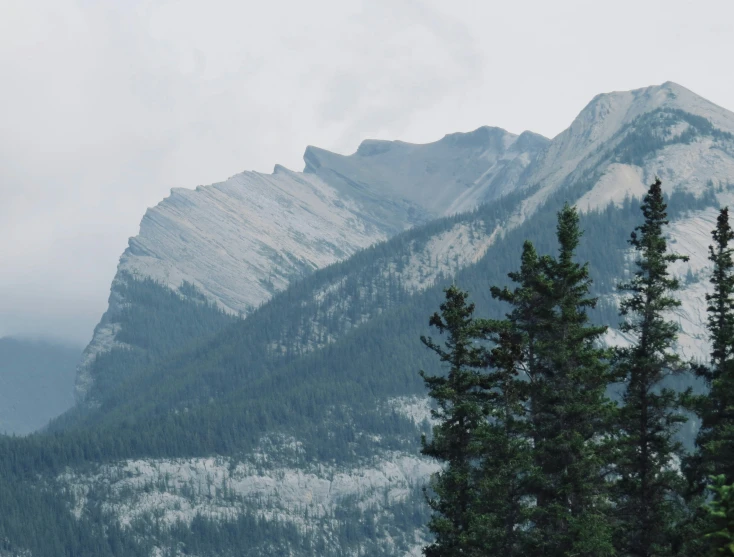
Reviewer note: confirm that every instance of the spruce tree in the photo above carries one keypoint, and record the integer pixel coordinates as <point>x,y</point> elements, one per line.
<point>502,516</point>
<point>569,412</point>
<point>460,412</point>
<point>649,488</point>
<point>715,439</point>
<point>720,527</point>
<point>574,412</point>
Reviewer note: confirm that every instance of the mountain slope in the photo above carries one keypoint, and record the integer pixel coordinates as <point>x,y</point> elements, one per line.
<point>240,241</point>
<point>452,175</point>
<point>301,422</point>
<point>633,136</point>
<point>318,311</point>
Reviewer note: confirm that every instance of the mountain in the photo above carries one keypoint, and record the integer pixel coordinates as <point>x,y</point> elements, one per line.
<point>631,136</point>
<point>240,241</point>
<point>36,382</point>
<point>295,429</point>
<point>449,176</point>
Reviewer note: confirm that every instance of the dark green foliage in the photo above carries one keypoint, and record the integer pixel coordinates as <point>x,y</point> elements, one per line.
<point>568,409</point>
<point>460,411</point>
<point>714,454</point>
<point>199,383</point>
<point>572,413</point>
<point>502,515</point>
<point>36,519</point>
<point>716,437</point>
<point>649,489</point>
<point>721,301</point>
<point>720,531</point>
<point>220,395</point>
<point>154,323</point>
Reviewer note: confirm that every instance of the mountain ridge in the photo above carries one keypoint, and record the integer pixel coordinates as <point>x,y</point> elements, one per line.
<point>242,240</point>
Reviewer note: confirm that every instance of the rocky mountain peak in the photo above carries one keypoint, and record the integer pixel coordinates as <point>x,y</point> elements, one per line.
<point>240,241</point>
<point>452,174</point>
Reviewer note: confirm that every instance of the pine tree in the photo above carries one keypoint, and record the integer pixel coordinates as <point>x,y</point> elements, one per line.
<point>460,411</point>
<point>715,439</point>
<point>574,411</point>
<point>714,455</point>
<point>720,530</point>
<point>502,515</point>
<point>568,410</point>
<point>649,488</point>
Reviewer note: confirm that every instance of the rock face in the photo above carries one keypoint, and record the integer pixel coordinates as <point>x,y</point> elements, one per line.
<point>449,176</point>
<point>242,240</point>
<point>600,147</point>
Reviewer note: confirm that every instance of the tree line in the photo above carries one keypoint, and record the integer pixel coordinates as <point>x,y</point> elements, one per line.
<point>539,458</point>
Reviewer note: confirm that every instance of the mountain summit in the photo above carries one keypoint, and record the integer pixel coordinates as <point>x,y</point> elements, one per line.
<point>240,241</point>
<point>451,175</point>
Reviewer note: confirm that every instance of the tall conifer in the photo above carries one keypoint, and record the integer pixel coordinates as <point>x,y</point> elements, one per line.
<point>648,490</point>
<point>460,413</point>
<point>715,439</point>
<point>502,517</point>
<point>574,412</point>
<point>568,410</point>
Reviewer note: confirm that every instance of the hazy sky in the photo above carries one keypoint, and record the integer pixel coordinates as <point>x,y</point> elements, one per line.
<point>106,105</point>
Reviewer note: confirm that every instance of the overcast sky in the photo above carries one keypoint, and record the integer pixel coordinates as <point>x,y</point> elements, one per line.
<point>106,105</point>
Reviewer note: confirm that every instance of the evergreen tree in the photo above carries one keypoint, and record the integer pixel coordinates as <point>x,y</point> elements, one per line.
<point>648,490</point>
<point>460,411</point>
<point>502,516</point>
<point>569,412</point>
<point>715,439</point>
<point>574,412</point>
<point>721,518</point>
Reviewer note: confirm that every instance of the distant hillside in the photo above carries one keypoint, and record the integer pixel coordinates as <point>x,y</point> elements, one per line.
<point>36,382</point>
